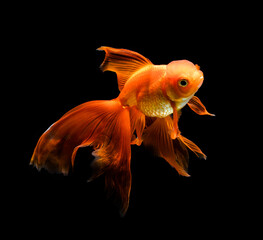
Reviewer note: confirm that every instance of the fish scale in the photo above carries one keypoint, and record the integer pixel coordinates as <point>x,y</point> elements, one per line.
<point>155,105</point>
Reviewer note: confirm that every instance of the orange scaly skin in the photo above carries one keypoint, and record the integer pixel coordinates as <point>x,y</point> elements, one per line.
<point>149,94</point>
<point>144,90</point>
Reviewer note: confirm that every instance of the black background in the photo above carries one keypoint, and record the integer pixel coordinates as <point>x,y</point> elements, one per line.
<point>58,69</point>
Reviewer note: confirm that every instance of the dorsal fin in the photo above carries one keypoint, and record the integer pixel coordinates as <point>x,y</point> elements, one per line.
<point>124,62</point>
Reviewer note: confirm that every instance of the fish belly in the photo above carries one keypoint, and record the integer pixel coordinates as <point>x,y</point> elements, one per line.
<point>155,105</point>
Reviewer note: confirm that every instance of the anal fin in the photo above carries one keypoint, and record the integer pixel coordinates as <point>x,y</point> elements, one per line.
<point>158,137</point>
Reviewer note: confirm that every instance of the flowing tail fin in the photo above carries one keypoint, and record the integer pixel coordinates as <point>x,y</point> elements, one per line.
<point>105,125</point>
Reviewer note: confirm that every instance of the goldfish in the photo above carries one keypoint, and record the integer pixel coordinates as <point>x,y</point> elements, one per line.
<point>146,111</point>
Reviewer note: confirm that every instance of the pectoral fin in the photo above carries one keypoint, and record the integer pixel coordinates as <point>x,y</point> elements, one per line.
<point>198,107</point>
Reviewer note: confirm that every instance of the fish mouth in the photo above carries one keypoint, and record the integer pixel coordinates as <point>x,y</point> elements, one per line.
<point>178,99</point>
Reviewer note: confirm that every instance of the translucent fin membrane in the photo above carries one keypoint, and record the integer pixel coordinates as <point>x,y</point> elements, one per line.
<point>124,62</point>
<point>105,125</point>
<point>198,107</point>
<point>157,137</point>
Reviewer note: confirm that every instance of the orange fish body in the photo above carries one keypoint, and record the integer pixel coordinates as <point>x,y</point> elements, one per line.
<point>144,90</point>
<point>149,95</point>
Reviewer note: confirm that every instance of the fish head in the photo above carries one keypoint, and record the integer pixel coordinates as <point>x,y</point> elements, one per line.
<point>183,79</point>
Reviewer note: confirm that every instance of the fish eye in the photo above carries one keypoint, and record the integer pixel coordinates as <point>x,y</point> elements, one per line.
<point>183,83</point>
